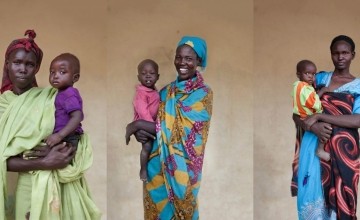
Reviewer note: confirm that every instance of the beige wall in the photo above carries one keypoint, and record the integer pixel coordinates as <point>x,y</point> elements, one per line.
<point>151,29</point>
<point>253,50</point>
<point>286,32</point>
<point>79,28</point>
<point>110,38</point>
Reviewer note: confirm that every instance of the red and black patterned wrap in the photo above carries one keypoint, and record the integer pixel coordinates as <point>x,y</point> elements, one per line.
<point>340,176</point>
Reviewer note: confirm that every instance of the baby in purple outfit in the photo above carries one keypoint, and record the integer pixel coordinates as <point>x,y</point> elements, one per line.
<point>64,72</point>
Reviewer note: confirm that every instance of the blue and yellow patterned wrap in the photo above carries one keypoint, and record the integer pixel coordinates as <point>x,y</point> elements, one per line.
<point>175,163</point>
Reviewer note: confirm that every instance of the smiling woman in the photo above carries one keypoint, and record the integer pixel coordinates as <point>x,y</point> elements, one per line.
<point>181,130</point>
<point>186,62</point>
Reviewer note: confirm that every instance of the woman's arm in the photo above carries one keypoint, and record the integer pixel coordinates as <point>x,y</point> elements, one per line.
<point>147,128</point>
<point>321,129</point>
<point>53,158</point>
<point>346,121</point>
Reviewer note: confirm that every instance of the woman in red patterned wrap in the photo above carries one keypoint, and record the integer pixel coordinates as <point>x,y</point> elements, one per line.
<point>339,125</point>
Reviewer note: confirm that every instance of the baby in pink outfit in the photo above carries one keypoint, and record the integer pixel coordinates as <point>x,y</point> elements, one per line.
<point>146,104</point>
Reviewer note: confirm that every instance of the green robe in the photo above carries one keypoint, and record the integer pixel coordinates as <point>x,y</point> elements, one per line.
<point>25,121</point>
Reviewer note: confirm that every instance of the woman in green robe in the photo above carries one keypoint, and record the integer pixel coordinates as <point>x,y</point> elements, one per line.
<point>50,184</point>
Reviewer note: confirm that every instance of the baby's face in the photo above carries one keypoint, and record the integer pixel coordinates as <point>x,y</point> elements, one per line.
<point>308,74</point>
<point>148,75</point>
<point>61,74</point>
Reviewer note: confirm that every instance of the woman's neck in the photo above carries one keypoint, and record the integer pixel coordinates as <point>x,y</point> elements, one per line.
<point>340,78</point>
<point>342,73</point>
<point>18,91</point>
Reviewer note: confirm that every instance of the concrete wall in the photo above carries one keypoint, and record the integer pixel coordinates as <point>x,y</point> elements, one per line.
<point>253,49</point>
<point>286,32</point>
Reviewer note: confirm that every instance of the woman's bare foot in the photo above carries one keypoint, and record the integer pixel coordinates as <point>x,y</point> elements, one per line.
<point>143,175</point>
<point>27,216</point>
<point>323,155</point>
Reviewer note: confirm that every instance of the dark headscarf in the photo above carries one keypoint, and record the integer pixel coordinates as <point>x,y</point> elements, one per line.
<point>24,43</point>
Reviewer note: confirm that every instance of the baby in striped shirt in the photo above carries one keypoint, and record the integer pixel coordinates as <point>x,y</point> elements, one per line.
<point>306,100</point>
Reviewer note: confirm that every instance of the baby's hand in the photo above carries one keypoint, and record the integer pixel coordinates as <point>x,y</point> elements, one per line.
<point>53,139</point>
<point>310,120</point>
<point>323,90</point>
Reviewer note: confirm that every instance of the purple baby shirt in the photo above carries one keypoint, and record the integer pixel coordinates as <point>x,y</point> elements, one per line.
<point>67,101</point>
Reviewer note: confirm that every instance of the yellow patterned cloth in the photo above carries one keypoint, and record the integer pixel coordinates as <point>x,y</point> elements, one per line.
<point>25,121</point>
<point>175,163</point>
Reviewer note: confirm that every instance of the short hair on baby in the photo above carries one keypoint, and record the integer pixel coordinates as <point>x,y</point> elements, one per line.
<point>72,59</point>
<point>148,61</point>
<point>300,66</point>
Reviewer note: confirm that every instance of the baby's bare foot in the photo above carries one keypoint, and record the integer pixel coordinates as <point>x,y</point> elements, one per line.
<point>143,175</point>
<point>323,155</point>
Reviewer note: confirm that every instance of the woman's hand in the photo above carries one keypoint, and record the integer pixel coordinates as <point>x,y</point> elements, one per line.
<point>40,150</point>
<point>43,158</point>
<point>310,120</point>
<point>58,156</point>
<point>323,130</point>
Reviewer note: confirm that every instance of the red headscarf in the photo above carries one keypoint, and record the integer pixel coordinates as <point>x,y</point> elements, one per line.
<point>29,45</point>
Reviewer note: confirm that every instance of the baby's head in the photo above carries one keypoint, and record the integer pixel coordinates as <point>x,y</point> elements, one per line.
<point>148,73</point>
<point>305,71</point>
<point>64,71</point>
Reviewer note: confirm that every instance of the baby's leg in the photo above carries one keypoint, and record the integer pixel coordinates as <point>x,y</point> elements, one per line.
<point>73,139</point>
<point>144,156</point>
<point>320,152</point>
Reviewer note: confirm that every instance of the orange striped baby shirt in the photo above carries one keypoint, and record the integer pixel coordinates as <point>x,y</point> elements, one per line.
<point>306,101</point>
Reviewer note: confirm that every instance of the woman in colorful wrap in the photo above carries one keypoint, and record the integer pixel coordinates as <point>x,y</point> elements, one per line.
<point>339,124</point>
<point>181,128</point>
<point>48,186</point>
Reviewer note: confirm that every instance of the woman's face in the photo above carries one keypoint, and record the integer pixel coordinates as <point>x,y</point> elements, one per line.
<point>186,62</point>
<point>22,66</point>
<point>342,55</point>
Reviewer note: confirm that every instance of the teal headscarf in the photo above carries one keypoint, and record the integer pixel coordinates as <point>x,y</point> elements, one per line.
<point>199,45</point>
